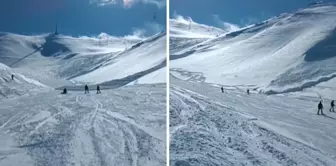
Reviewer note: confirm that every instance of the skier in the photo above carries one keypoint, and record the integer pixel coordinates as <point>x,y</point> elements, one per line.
<point>248,91</point>
<point>87,89</point>
<point>12,77</point>
<point>64,91</point>
<point>98,89</point>
<point>332,105</point>
<point>320,107</point>
<point>222,89</point>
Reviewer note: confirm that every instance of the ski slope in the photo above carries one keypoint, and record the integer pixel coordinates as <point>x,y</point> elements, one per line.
<point>58,59</point>
<point>21,85</point>
<point>143,56</point>
<point>208,127</point>
<point>287,63</point>
<point>288,53</point>
<point>125,125</point>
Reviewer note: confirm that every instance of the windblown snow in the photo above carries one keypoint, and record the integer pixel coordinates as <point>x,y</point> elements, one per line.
<point>125,125</point>
<point>287,62</point>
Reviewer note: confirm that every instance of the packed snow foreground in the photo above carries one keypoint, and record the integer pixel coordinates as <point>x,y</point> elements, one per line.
<point>124,125</point>
<point>287,63</point>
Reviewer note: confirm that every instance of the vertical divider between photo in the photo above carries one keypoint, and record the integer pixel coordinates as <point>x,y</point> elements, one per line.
<point>167,82</point>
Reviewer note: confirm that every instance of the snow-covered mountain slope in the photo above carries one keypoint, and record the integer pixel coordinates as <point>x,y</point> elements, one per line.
<point>125,126</point>
<point>180,27</point>
<point>208,127</point>
<point>288,53</point>
<point>184,34</point>
<point>56,59</point>
<point>19,86</point>
<point>121,126</point>
<point>143,56</point>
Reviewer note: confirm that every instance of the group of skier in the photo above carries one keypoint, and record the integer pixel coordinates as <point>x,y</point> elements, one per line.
<point>86,90</point>
<point>65,91</point>
<point>247,91</point>
<point>320,107</point>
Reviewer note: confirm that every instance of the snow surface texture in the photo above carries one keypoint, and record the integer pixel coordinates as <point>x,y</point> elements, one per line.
<point>208,127</point>
<point>125,125</point>
<point>287,62</point>
<point>289,53</point>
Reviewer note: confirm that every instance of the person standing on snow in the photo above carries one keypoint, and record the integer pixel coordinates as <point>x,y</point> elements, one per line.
<point>332,105</point>
<point>98,89</point>
<point>248,91</point>
<point>12,77</point>
<point>222,89</point>
<point>64,91</point>
<point>86,89</point>
<point>320,107</point>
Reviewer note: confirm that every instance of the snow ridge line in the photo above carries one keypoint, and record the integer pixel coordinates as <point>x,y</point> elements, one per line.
<point>305,85</point>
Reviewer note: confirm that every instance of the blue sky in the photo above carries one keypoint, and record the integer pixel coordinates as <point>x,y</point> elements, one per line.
<point>220,13</point>
<point>83,17</point>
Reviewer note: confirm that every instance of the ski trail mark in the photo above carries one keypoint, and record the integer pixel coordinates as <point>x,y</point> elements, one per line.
<point>2,126</point>
<point>49,119</point>
<point>93,135</point>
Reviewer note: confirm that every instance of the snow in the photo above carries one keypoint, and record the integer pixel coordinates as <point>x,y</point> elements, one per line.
<point>125,125</point>
<point>287,53</point>
<point>180,27</point>
<point>147,55</point>
<point>209,127</point>
<point>58,59</point>
<point>184,34</point>
<point>287,63</point>
<point>158,76</point>
<point>11,154</point>
<point>21,85</point>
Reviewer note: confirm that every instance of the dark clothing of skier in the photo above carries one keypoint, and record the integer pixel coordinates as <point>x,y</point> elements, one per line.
<point>248,91</point>
<point>12,77</point>
<point>222,89</point>
<point>320,107</point>
<point>86,89</point>
<point>332,106</point>
<point>64,91</point>
<point>98,89</point>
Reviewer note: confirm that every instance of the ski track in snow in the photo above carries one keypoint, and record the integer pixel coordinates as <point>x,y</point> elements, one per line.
<point>208,127</point>
<point>124,126</point>
<point>286,62</point>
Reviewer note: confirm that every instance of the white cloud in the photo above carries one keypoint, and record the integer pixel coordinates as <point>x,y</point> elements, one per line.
<point>181,19</point>
<point>148,30</point>
<point>104,2</point>
<point>154,27</point>
<point>249,21</point>
<point>129,3</point>
<point>221,24</point>
<point>225,25</point>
